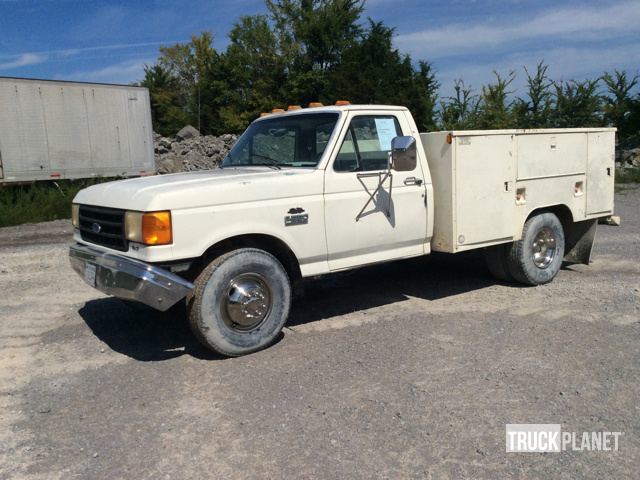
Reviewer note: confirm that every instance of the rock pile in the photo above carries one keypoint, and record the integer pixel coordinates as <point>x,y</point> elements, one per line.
<point>189,151</point>
<point>628,158</point>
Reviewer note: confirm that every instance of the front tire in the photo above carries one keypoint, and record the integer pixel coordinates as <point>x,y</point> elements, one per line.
<point>536,258</point>
<point>241,302</point>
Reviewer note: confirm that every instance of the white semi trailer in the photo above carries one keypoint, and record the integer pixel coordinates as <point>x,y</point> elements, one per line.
<point>51,130</point>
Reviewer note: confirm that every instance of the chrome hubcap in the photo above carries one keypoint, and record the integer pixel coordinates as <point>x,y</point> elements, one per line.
<point>247,302</point>
<point>544,248</point>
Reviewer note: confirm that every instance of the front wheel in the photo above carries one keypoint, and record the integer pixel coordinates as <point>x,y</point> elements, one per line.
<point>241,302</point>
<point>536,258</point>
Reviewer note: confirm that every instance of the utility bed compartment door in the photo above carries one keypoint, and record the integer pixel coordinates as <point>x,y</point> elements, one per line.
<point>600,171</point>
<point>485,181</point>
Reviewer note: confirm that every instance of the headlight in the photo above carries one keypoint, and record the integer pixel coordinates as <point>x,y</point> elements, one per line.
<point>150,228</point>
<point>75,215</point>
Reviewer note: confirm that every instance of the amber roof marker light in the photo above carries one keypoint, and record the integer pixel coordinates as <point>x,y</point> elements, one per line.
<point>315,104</point>
<point>342,103</point>
<point>294,107</point>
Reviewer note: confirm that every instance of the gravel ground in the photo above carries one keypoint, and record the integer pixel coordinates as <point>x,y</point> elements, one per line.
<point>405,370</point>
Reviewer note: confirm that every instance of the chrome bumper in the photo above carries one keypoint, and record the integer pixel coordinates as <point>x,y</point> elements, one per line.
<point>128,278</point>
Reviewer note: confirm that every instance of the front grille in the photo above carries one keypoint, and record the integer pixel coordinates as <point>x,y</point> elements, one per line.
<point>103,226</point>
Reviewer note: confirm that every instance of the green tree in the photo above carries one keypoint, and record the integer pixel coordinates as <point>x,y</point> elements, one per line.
<point>313,36</point>
<point>534,111</point>
<point>256,72</point>
<point>373,72</point>
<point>363,75</point>
<point>576,104</point>
<point>424,104</point>
<point>494,109</point>
<point>196,65</point>
<point>309,50</point>
<point>618,101</point>
<point>460,111</point>
<point>167,106</point>
<point>634,120</point>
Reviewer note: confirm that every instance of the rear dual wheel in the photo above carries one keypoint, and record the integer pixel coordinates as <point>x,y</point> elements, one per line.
<point>536,258</point>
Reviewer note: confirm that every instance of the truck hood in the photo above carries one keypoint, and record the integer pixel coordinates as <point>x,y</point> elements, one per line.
<point>202,188</point>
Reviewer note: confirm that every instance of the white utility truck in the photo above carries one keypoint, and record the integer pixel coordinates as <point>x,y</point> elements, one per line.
<point>51,130</point>
<point>312,191</point>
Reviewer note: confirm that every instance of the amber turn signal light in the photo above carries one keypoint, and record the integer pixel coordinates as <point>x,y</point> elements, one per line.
<point>156,228</point>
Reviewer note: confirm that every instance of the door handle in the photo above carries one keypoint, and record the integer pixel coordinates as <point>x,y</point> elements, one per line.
<point>413,181</point>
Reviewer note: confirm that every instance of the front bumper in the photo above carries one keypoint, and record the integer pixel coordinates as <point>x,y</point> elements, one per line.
<point>128,278</point>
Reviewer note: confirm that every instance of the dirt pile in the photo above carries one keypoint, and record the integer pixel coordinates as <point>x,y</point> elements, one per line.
<point>189,150</point>
<point>628,158</point>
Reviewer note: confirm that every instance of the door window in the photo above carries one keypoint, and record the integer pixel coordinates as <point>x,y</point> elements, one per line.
<point>367,144</point>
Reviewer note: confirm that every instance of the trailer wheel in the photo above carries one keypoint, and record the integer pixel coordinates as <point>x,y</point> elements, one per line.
<point>536,258</point>
<point>240,303</point>
<point>497,261</point>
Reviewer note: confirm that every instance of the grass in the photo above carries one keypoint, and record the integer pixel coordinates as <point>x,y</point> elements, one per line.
<point>628,175</point>
<point>40,201</point>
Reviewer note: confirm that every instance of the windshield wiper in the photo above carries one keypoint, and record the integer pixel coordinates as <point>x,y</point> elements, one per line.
<point>272,162</point>
<point>270,165</point>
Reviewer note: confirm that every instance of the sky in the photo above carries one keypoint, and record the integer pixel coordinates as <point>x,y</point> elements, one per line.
<point>110,41</point>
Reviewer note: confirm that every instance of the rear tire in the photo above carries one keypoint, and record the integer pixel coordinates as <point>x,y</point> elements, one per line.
<point>496,258</point>
<point>536,258</point>
<point>241,302</point>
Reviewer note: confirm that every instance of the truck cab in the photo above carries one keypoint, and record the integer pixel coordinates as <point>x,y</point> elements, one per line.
<point>312,191</point>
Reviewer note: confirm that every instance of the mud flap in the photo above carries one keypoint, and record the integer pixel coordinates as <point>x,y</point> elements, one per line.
<point>579,239</point>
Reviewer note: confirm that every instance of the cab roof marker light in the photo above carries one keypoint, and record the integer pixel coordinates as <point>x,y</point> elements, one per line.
<point>293,107</point>
<point>315,104</point>
<point>277,110</point>
<point>342,103</point>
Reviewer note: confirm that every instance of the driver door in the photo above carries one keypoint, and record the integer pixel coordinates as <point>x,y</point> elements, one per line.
<point>363,227</point>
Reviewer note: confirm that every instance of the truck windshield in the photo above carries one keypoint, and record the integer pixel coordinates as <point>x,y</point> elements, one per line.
<point>283,141</point>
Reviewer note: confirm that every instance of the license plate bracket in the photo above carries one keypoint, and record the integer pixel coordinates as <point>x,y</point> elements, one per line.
<point>90,274</point>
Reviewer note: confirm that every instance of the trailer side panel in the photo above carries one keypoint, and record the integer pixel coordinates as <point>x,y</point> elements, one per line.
<point>52,130</point>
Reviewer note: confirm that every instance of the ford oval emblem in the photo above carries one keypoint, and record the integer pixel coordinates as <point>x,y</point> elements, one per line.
<point>96,227</point>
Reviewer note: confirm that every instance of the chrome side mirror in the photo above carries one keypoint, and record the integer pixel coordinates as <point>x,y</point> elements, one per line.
<point>403,154</point>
